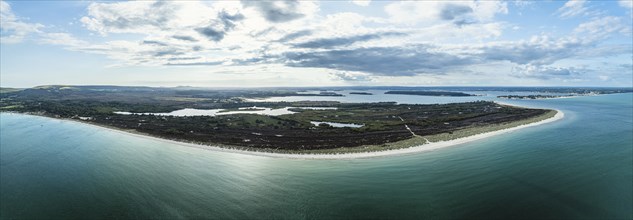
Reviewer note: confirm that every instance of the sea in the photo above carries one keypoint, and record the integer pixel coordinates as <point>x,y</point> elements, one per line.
<point>580,167</point>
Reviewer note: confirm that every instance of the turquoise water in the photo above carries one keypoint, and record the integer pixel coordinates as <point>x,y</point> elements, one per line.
<point>576,168</point>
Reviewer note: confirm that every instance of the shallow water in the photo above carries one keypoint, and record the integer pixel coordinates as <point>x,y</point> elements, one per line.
<point>576,168</point>
<point>337,125</point>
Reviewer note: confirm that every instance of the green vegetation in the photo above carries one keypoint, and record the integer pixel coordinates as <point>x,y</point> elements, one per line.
<point>386,124</point>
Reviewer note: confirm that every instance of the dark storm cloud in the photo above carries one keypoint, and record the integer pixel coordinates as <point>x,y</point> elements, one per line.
<point>276,12</point>
<point>427,59</point>
<point>229,20</point>
<point>183,58</point>
<point>532,53</point>
<point>451,12</point>
<point>457,14</point>
<point>195,64</point>
<point>463,22</point>
<point>153,42</point>
<point>295,35</point>
<point>344,41</point>
<point>387,61</point>
<point>212,33</point>
<point>185,38</point>
<point>219,27</point>
<point>167,52</point>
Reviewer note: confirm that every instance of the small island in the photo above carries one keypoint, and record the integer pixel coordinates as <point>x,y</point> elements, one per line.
<point>361,93</point>
<point>429,93</point>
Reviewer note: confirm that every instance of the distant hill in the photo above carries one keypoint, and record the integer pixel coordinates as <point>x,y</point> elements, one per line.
<point>9,90</point>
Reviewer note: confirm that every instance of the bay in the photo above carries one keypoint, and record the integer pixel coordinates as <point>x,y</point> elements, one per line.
<point>575,168</point>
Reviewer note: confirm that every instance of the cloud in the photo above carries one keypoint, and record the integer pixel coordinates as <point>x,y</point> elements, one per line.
<point>450,11</point>
<point>538,50</point>
<point>572,8</point>
<point>606,50</point>
<point>386,61</point>
<point>432,12</point>
<point>183,58</point>
<point>168,52</point>
<point>437,59</point>
<point>213,63</point>
<point>295,35</point>
<point>523,3</point>
<point>626,4</point>
<point>64,39</point>
<point>153,42</point>
<point>544,72</point>
<point>277,11</point>
<point>129,17</point>
<point>363,3</point>
<point>219,27</point>
<point>212,33</point>
<point>184,38</point>
<point>601,28</point>
<point>344,41</point>
<point>438,40</point>
<point>12,29</point>
<point>350,76</point>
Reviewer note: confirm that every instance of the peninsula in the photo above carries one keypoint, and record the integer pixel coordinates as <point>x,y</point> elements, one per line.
<point>224,119</point>
<point>429,93</point>
<point>534,96</point>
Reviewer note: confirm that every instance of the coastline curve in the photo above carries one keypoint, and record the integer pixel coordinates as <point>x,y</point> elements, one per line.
<point>337,156</point>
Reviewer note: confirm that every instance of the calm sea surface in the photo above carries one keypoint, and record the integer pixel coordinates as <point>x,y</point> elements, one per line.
<point>576,168</point>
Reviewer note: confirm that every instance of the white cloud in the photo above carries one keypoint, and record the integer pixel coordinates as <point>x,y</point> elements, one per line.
<point>350,76</point>
<point>14,30</point>
<point>603,27</point>
<point>522,3</point>
<point>572,8</point>
<point>137,17</point>
<point>545,72</point>
<point>363,3</point>
<point>626,4</point>
<point>64,39</point>
<point>432,12</point>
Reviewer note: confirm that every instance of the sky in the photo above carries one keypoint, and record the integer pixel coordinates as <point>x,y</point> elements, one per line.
<point>306,43</point>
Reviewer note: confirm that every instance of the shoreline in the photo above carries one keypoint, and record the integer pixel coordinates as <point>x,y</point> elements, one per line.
<point>335,156</point>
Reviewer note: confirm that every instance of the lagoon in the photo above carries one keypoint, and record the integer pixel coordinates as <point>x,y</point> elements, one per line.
<point>215,112</point>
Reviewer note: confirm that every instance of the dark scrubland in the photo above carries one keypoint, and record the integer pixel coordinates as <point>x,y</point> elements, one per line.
<point>383,122</point>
